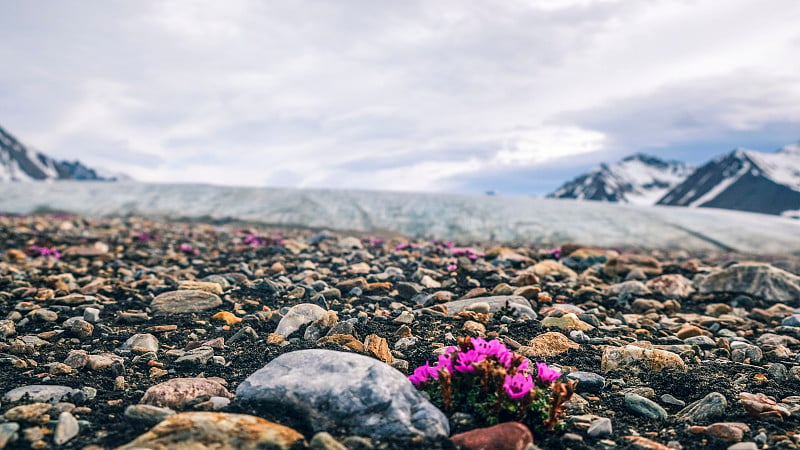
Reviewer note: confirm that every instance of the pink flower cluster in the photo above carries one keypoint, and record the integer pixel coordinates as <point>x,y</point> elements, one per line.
<point>469,252</point>
<point>45,251</point>
<point>556,253</point>
<point>406,246</point>
<point>518,382</point>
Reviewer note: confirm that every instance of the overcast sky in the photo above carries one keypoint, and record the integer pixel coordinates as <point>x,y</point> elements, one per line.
<point>511,95</point>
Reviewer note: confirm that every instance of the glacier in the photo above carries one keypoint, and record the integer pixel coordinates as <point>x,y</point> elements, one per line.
<point>436,215</point>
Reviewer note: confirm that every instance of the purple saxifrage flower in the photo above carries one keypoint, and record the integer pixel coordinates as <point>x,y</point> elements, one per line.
<point>465,361</point>
<point>423,373</point>
<point>556,253</point>
<point>545,374</point>
<point>452,267</point>
<point>45,251</point>
<point>445,362</point>
<point>518,385</point>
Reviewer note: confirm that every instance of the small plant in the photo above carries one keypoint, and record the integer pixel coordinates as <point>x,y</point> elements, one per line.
<point>491,382</point>
<point>44,251</point>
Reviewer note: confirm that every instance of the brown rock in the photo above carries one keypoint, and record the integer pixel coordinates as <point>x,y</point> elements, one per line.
<point>378,347</point>
<point>218,431</point>
<point>723,431</point>
<point>345,340</point>
<point>619,266</point>
<point>227,317</point>
<point>567,322</point>
<point>177,392</point>
<point>688,331</point>
<point>347,285</point>
<point>34,412</point>
<point>474,293</point>
<point>548,344</point>
<point>505,436</point>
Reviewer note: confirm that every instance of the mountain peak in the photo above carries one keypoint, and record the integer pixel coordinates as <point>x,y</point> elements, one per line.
<point>20,163</point>
<point>638,178</point>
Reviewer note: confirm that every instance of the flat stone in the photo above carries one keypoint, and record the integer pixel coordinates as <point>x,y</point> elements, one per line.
<point>177,392</point>
<point>66,429</point>
<point>39,393</point>
<point>345,340</point>
<point>185,301</point>
<point>218,431</point>
<point>711,406</point>
<point>631,357</point>
<point>344,391</point>
<point>643,406</point>
<point>756,279</point>
<point>723,431</point>
<point>642,443</point>
<point>744,446</point>
<point>519,305</point>
<point>297,316</point>
<point>504,436</point>
<point>547,344</point>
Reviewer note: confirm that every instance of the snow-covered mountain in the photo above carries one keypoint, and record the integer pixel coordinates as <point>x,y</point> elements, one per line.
<point>20,163</point>
<point>744,180</point>
<point>638,179</point>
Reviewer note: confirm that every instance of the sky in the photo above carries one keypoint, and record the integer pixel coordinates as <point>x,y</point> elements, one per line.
<point>514,96</point>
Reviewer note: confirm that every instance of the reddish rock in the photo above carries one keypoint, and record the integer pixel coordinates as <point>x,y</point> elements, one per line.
<point>177,392</point>
<point>505,436</point>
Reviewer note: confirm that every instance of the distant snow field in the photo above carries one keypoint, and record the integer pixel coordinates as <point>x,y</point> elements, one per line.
<point>451,216</point>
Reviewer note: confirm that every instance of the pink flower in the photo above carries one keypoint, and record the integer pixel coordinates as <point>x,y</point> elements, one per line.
<point>252,239</point>
<point>45,251</point>
<point>445,362</point>
<point>187,248</point>
<point>556,253</point>
<point>523,366</point>
<point>545,374</point>
<point>423,374</point>
<point>405,246</point>
<point>465,361</point>
<point>143,237</point>
<point>518,386</point>
<point>468,252</point>
<point>452,267</point>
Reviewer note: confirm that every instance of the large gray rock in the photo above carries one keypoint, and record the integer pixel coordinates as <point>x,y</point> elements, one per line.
<point>517,303</point>
<point>344,391</point>
<point>756,279</point>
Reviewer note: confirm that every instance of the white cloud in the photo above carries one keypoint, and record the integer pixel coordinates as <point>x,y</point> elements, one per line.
<point>409,95</point>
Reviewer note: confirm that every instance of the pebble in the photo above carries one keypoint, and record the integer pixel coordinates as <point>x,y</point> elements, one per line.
<point>147,414</point>
<point>567,322</point>
<point>8,433</point>
<point>140,343</point>
<point>600,428</point>
<point>644,406</point>
<point>756,279</point>
<point>711,406</point>
<point>66,429</point>
<point>297,316</point>
<point>744,446</point>
<point>91,315</point>
<point>588,382</point>
<point>33,412</point>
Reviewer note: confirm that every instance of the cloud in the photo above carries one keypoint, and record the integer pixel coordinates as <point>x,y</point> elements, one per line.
<point>414,95</point>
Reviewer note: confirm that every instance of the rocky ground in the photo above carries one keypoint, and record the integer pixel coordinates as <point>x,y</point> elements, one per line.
<point>112,327</point>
